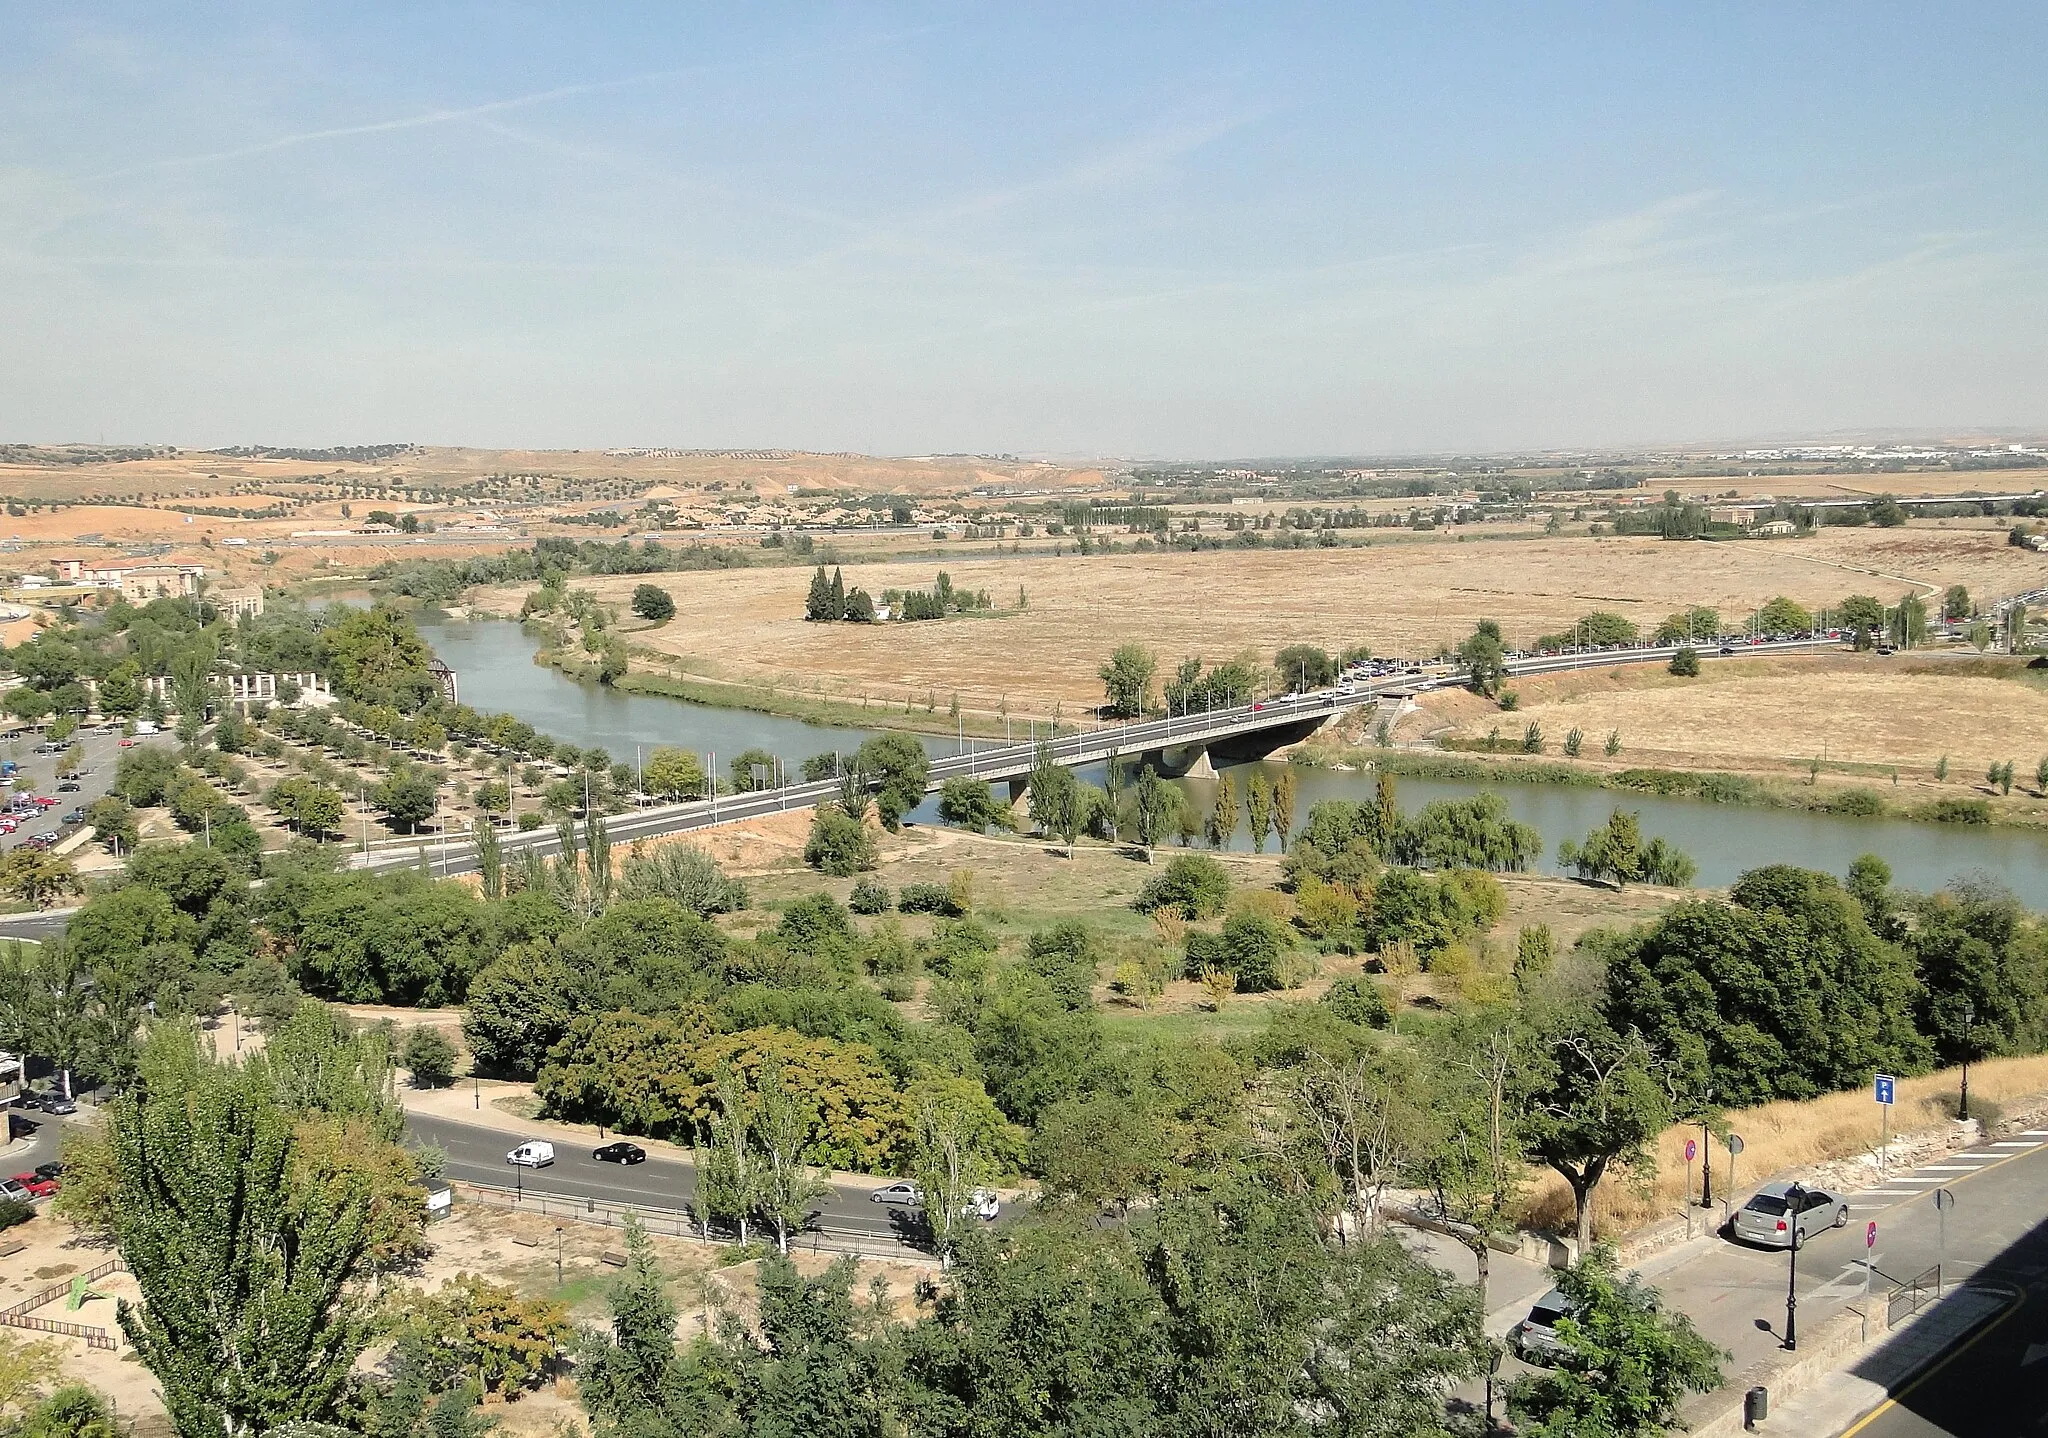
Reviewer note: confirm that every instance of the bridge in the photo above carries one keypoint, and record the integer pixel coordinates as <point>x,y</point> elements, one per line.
<point>1177,745</point>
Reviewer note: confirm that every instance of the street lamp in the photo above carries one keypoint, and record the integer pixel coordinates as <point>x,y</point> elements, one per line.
<point>558,1255</point>
<point>1795,1199</point>
<point>1969,1036</point>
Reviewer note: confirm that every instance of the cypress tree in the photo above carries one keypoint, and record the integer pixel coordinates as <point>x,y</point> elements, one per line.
<point>818,604</point>
<point>838,597</point>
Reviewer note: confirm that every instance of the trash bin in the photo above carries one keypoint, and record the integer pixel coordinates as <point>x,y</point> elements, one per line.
<point>1756,1406</point>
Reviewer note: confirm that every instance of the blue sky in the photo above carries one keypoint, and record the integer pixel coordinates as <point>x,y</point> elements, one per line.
<point>1185,230</point>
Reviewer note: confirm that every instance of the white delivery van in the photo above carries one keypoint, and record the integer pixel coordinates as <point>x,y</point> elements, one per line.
<point>535,1153</point>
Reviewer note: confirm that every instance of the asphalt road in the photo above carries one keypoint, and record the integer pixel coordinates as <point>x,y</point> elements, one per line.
<point>477,1155</point>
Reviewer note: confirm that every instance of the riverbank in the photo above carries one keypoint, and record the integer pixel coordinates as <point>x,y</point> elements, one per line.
<point>1970,805</point>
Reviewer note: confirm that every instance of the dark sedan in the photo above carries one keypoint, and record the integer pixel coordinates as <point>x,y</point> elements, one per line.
<point>620,1153</point>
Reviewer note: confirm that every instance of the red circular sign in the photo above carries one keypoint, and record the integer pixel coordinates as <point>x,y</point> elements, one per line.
<point>1870,1236</point>
<point>1692,1150</point>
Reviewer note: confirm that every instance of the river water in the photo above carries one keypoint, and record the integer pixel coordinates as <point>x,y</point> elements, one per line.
<point>493,660</point>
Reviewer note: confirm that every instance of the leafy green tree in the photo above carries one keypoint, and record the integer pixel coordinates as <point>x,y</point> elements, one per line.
<point>1906,625</point>
<point>409,797</point>
<point>521,1006</point>
<point>787,1185</point>
<point>1886,512</point>
<point>1983,970</point>
<point>1783,616</point>
<point>210,1202</point>
<point>683,874</point>
<point>309,806</point>
<point>899,768</point>
<point>754,769</point>
<point>1617,852</point>
<point>1688,626</point>
<point>1628,1362</point>
<point>818,606</point>
<point>1127,681</point>
<point>1055,798</point>
<point>674,774</point>
<point>1955,604</point>
<point>1863,617</point>
<point>1591,1098</point>
<point>969,804</point>
<point>36,876</point>
<point>1258,804</point>
<point>1484,658</point>
<point>430,1056</point>
<point>651,601</point>
<point>1686,662</point>
<point>113,822</point>
<point>1222,822</point>
<point>1613,745</point>
<point>1155,807</point>
<point>145,775</point>
<point>1303,667</point>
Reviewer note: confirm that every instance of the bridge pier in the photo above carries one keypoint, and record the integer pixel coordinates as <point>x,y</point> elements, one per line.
<point>1180,761</point>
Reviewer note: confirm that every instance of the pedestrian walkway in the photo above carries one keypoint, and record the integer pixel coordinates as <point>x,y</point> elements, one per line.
<point>1945,1170</point>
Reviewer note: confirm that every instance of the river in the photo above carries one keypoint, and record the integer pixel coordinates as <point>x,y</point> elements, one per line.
<point>493,660</point>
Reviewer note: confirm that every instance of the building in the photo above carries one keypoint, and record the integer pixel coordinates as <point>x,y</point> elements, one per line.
<point>234,603</point>
<point>159,581</point>
<point>1776,529</point>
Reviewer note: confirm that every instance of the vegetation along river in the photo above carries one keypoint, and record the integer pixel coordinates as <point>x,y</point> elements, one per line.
<point>494,662</point>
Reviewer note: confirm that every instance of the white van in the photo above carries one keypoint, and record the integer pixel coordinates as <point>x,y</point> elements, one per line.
<point>535,1153</point>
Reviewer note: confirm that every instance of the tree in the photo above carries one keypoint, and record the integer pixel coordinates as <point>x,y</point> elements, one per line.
<point>818,605</point>
<point>520,1006</point>
<point>1906,626</point>
<point>1155,807</point>
<point>1886,512</point>
<point>1616,852</point>
<point>1127,681</point>
<point>728,1167</point>
<point>653,602</point>
<point>1484,658</point>
<point>787,1185</point>
<point>1863,617</point>
<point>2000,777</point>
<point>113,822</point>
<point>1686,662</point>
<point>969,804</point>
<point>673,774</point>
<point>308,805</point>
<point>1688,626</point>
<point>1955,604</point>
<point>430,1056</point>
<point>1783,616</point>
<point>1193,886</point>
<point>1304,667</point>
<point>899,767</point>
<point>1258,804</point>
<point>1284,789</point>
<point>754,769</point>
<point>1054,795</point>
<point>1626,1365</point>
<point>209,1203</point>
<point>1592,1099</point>
<point>409,797</point>
<point>683,874</point>
<point>1222,823</point>
<point>36,876</point>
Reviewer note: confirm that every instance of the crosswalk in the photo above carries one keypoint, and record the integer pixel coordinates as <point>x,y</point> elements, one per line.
<point>1930,1176</point>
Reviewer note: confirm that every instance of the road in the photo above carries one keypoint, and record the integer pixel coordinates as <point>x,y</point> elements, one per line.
<point>476,1154</point>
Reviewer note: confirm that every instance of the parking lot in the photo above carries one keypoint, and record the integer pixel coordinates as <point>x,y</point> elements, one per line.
<point>37,775</point>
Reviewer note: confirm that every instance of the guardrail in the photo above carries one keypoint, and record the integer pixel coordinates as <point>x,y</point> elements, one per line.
<point>1911,1295</point>
<point>18,1316</point>
<point>682,1224</point>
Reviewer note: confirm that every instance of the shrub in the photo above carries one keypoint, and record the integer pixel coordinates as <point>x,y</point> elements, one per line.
<point>528,822</point>
<point>1253,944</point>
<point>1959,811</point>
<point>839,845</point>
<point>12,1213</point>
<point>1194,886</point>
<point>1356,999</point>
<point>507,1341</point>
<point>653,602</point>
<point>1686,662</point>
<point>869,897</point>
<point>928,899</point>
<point>1859,803</point>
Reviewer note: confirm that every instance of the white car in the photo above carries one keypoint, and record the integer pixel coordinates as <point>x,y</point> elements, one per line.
<point>534,1154</point>
<point>982,1203</point>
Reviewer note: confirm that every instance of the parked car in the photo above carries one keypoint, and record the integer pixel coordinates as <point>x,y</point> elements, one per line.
<point>1535,1338</point>
<point>12,1192</point>
<point>1767,1220</point>
<point>536,1153</point>
<point>70,786</point>
<point>620,1152</point>
<point>44,801</point>
<point>76,816</point>
<point>128,743</point>
<point>52,1169</point>
<point>54,1102</point>
<point>36,1184</point>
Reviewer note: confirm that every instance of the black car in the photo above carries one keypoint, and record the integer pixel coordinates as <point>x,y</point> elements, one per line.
<point>76,816</point>
<point>620,1153</point>
<point>69,786</point>
<point>50,1170</point>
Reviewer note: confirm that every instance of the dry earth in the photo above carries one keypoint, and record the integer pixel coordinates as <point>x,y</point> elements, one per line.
<point>1848,709</point>
<point>1400,598</point>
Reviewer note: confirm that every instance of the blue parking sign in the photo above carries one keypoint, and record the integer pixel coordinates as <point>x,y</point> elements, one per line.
<point>1885,1085</point>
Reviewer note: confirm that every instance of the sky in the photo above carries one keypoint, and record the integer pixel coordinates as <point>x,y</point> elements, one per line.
<point>1184,230</point>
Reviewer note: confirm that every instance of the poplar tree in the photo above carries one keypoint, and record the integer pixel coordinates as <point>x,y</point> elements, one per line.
<point>1283,806</point>
<point>1258,804</point>
<point>1223,818</point>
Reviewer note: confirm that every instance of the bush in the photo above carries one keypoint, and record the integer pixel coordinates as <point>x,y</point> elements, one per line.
<point>12,1213</point>
<point>1858,803</point>
<point>430,1056</point>
<point>839,845</point>
<point>1194,886</point>
<point>1686,662</point>
<point>869,897</point>
<point>928,899</point>
<point>1959,811</point>
<point>653,602</point>
<point>1356,999</point>
<point>528,822</point>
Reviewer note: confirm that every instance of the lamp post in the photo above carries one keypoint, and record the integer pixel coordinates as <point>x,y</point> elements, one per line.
<point>1969,1036</point>
<point>1795,1199</point>
<point>558,1255</point>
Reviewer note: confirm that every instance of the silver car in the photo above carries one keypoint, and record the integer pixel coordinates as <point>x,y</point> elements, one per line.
<point>1767,1219</point>
<point>1535,1338</point>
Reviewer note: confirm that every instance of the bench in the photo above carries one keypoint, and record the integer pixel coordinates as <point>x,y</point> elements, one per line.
<point>616,1260</point>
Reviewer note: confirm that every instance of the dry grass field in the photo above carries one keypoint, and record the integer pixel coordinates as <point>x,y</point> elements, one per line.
<point>1848,709</point>
<point>1400,598</point>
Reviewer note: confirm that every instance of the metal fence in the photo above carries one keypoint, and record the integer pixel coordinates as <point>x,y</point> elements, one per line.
<point>681,1224</point>
<point>18,1315</point>
<point>1911,1295</point>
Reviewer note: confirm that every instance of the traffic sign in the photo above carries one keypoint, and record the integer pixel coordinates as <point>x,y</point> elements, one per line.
<point>1870,1236</point>
<point>1692,1150</point>
<point>1735,1143</point>
<point>1886,1086</point>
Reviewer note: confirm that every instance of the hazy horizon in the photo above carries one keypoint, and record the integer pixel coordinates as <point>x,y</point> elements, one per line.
<point>1167,232</point>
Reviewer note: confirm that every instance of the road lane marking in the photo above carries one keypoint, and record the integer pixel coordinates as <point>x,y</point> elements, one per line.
<point>2016,1143</point>
<point>1947,1168</point>
<point>1920,1180</point>
<point>1887,1193</point>
<point>2018,1300</point>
